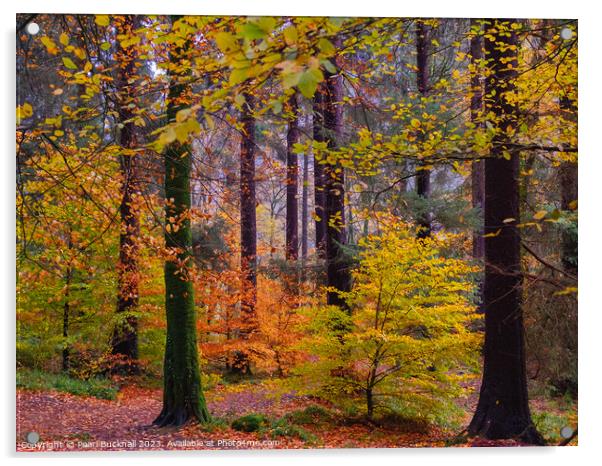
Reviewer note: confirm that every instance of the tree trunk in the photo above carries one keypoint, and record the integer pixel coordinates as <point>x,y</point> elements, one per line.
<point>292,183</point>
<point>338,267</point>
<point>183,398</point>
<point>423,178</point>
<point>124,341</point>
<point>304,208</point>
<point>248,230</point>
<point>568,173</point>
<point>478,166</point>
<point>319,194</point>
<point>503,407</point>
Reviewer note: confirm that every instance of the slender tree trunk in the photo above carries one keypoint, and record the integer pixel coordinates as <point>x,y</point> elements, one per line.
<point>304,208</point>
<point>125,335</point>
<point>338,267</point>
<point>319,193</point>
<point>66,313</point>
<point>568,173</point>
<point>183,398</point>
<point>248,230</point>
<point>478,166</point>
<point>292,183</point>
<point>503,407</point>
<point>423,178</point>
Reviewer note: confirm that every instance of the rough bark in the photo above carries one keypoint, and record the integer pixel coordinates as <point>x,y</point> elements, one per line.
<point>478,166</point>
<point>503,407</point>
<point>305,208</point>
<point>248,230</point>
<point>124,341</point>
<point>292,183</point>
<point>319,193</point>
<point>568,174</point>
<point>338,268</point>
<point>423,178</point>
<point>183,398</point>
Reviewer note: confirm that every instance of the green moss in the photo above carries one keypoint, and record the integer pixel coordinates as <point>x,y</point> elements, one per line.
<point>250,423</point>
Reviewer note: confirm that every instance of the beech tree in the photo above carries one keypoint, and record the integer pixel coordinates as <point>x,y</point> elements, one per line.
<point>183,398</point>
<point>125,335</point>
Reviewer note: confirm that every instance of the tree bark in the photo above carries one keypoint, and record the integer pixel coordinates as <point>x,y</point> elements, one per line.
<point>319,193</point>
<point>305,207</point>
<point>338,267</point>
<point>423,178</point>
<point>478,166</point>
<point>503,407</point>
<point>248,230</point>
<point>568,174</point>
<point>124,341</point>
<point>183,398</point>
<point>292,183</point>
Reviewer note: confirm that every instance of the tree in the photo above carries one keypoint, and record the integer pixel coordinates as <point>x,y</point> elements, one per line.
<point>292,182</point>
<point>124,341</point>
<point>319,194</point>
<point>476,97</point>
<point>503,407</point>
<point>423,178</point>
<point>337,264</point>
<point>183,398</point>
<point>408,333</point>
<point>248,228</point>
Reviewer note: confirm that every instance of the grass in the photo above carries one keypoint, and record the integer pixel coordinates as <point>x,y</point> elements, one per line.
<point>33,379</point>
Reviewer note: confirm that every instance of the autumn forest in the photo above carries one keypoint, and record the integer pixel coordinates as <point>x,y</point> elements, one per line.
<point>295,232</point>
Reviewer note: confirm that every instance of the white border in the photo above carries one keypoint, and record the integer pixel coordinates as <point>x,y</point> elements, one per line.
<point>590,172</point>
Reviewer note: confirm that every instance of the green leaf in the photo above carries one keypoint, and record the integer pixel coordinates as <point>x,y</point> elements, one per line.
<point>326,46</point>
<point>252,31</point>
<point>290,35</point>
<point>225,41</point>
<point>238,76</point>
<point>308,83</point>
<point>69,63</point>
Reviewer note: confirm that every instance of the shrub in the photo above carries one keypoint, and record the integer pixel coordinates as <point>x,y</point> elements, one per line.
<point>250,423</point>
<point>406,346</point>
<point>313,414</point>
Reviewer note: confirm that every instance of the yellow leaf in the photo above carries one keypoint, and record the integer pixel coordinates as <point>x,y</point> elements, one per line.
<point>183,114</point>
<point>57,91</point>
<point>415,123</point>
<point>69,63</point>
<point>64,39</point>
<point>102,20</point>
<point>540,214</point>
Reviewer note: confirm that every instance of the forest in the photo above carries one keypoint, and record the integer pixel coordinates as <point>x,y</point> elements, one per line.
<point>295,232</point>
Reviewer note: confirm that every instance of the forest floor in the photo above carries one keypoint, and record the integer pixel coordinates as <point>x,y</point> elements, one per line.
<point>66,422</point>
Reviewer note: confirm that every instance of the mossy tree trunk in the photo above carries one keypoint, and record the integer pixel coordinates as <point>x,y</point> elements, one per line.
<point>183,399</point>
